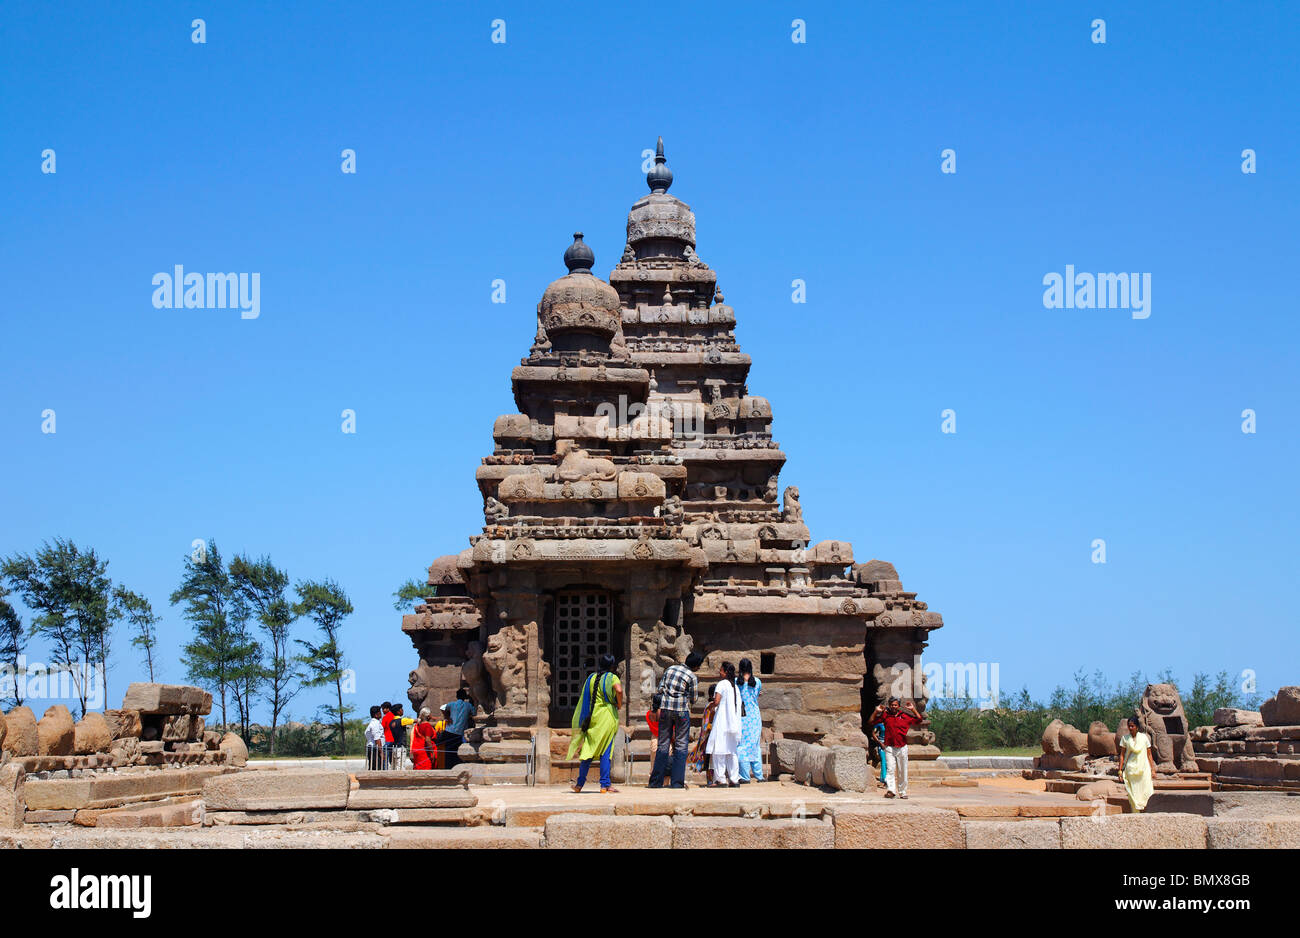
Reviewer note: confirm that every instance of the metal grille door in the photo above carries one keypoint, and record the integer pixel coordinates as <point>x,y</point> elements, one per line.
<point>583,632</point>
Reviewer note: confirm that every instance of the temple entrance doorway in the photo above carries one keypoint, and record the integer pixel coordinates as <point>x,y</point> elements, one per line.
<point>581,630</point>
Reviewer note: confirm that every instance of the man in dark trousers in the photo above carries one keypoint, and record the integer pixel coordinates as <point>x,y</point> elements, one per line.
<point>677,691</point>
<point>459,714</point>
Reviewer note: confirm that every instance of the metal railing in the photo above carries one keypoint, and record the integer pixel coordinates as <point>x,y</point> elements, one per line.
<point>530,762</point>
<point>386,759</point>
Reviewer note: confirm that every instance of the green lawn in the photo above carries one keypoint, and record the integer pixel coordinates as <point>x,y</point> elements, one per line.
<point>1017,751</point>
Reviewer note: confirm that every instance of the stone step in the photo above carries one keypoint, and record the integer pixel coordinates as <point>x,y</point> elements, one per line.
<point>504,773</point>
<point>506,751</point>
<point>452,838</point>
<point>452,817</point>
<point>427,778</point>
<point>369,799</point>
<point>184,814</point>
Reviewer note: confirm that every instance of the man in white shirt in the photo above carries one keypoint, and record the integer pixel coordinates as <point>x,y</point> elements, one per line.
<point>374,740</point>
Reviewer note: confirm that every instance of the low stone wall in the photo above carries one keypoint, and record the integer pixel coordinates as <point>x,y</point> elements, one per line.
<point>1006,763</point>
<point>857,827</point>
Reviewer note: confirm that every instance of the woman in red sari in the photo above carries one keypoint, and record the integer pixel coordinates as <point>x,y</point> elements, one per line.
<point>424,751</point>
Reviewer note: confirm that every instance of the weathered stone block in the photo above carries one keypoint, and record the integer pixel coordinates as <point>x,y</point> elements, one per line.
<point>1002,835</point>
<point>463,838</point>
<point>48,817</point>
<point>1283,708</point>
<point>638,485</point>
<point>606,832</point>
<point>184,814</point>
<point>745,834</point>
<point>22,737</point>
<point>896,827</point>
<point>810,769</point>
<point>1264,769</point>
<point>91,735</point>
<point>832,697</point>
<point>781,696</point>
<point>1275,833</point>
<point>118,788</point>
<point>236,752</point>
<point>370,798</point>
<point>802,724</point>
<point>1231,716</point>
<point>1059,762</point>
<point>182,728</point>
<point>848,769</point>
<point>340,819</point>
<point>167,699</point>
<point>785,755</point>
<point>123,723</point>
<point>12,805</point>
<point>1134,832</point>
<point>536,815</point>
<point>55,732</point>
<point>1061,738</point>
<point>1101,741</point>
<point>276,790</point>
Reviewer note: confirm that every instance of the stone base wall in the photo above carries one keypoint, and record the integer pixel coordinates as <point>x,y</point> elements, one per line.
<point>813,690</point>
<point>1243,757</point>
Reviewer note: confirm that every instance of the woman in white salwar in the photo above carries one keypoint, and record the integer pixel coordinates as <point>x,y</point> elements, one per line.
<point>724,739</point>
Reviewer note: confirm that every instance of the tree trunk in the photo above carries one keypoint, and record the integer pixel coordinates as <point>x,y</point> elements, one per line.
<point>338,684</point>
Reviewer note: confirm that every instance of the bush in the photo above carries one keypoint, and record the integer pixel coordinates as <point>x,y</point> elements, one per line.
<point>959,725</point>
<point>308,740</point>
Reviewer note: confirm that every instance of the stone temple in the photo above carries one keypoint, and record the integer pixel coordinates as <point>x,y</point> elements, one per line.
<point>633,504</point>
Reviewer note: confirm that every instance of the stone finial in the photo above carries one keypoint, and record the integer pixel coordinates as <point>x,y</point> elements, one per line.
<point>660,176</point>
<point>579,258</point>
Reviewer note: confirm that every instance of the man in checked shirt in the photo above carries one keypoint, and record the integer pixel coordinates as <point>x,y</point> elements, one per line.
<point>677,690</point>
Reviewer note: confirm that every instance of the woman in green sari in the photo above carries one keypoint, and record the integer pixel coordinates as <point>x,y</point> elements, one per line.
<point>595,721</point>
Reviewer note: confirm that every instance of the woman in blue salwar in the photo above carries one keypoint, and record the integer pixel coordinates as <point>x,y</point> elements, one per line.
<point>750,750</point>
<point>595,723</point>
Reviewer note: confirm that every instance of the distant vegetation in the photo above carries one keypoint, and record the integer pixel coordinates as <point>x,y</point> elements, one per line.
<point>307,740</point>
<point>959,724</point>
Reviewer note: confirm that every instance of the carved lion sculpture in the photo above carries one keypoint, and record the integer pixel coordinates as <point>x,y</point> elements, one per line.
<point>506,661</point>
<point>1161,716</point>
<point>474,673</point>
<point>791,510</point>
<point>494,511</point>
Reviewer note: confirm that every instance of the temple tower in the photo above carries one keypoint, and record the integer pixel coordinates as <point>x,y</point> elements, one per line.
<point>633,505</point>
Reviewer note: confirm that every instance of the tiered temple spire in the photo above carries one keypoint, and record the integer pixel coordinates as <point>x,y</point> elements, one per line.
<point>632,505</point>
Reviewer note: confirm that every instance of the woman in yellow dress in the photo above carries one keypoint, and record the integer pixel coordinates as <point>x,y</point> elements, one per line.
<point>595,721</point>
<point>1137,767</point>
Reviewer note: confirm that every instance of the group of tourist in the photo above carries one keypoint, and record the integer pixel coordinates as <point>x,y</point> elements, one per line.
<point>727,749</point>
<point>432,744</point>
<point>728,746</point>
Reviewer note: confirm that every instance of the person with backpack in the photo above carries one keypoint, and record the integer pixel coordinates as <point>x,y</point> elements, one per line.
<point>595,723</point>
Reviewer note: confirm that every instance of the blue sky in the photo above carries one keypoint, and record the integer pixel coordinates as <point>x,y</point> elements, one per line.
<point>818,161</point>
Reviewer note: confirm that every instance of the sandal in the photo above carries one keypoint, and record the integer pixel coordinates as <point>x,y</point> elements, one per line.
<point>575,789</point>
<point>610,790</point>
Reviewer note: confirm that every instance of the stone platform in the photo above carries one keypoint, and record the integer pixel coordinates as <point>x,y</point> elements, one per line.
<point>329,809</point>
